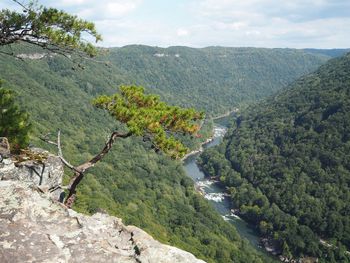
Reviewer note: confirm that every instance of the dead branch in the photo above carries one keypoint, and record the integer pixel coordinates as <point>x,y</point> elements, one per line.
<point>45,139</point>
<point>60,154</point>
<point>80,170</point>
<point>22,5</point>
<point>58,144</point>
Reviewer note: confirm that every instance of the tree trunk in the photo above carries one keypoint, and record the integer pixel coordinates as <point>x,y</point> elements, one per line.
<point>82,168</point>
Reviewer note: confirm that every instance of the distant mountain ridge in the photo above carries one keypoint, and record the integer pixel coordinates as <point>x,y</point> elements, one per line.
<point>334,52</point>
<point>214,79</point>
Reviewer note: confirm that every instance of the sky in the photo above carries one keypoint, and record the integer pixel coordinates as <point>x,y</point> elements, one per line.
<point>201,23</point>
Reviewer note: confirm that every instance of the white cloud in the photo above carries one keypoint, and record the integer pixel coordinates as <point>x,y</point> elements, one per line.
<point>97,10</point>
<point>181,32</point>
<point>230,26</point>
<point>272,23</point>
<point>72,2</point>
<point>120,8</point>
<point>198,23</point>
<point>253,33</point>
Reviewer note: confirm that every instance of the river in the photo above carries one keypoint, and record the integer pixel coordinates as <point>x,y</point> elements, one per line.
<point>215,194</point>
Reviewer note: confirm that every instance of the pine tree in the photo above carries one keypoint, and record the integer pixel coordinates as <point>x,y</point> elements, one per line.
<point>144,116</point>
<point>14,123</point>
<point>49,28</point>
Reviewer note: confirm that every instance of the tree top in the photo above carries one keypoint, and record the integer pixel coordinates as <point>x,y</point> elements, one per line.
<point>147,116</point>
<point>49,28</point>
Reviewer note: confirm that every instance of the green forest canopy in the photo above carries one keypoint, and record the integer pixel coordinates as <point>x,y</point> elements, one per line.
<point>58,97</point>
<point>162,200</point>
<point>286,163</point>
<point>213,79</point>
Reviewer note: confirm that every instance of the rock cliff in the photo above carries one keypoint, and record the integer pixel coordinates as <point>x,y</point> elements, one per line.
<point>36,228</point>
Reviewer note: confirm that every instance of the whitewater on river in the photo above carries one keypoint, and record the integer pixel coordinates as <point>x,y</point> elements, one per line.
<point>216,194</point>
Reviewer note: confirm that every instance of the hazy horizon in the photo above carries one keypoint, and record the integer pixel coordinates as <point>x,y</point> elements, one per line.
<point>218,46</point>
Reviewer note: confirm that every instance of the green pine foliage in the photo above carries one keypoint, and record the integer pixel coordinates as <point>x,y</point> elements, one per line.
<point>14,122</point>
<point>286,162</point>
<point>150,118</point>
<point>49,28</point>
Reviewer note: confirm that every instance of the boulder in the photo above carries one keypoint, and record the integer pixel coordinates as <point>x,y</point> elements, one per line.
<point>4,148</point>
<point>46,174</point>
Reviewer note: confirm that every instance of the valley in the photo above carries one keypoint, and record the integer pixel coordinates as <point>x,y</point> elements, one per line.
<point>144,188</point>
<point>215,193</point>
<point>175,131</point>
<point>285,163</point>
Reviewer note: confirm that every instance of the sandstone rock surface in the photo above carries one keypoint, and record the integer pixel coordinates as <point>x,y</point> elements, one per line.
<point>46,174</point>
<point>4,147</point>
<point>35,228</point>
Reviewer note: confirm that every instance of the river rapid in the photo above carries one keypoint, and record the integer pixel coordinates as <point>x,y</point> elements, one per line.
<point>216,194</point>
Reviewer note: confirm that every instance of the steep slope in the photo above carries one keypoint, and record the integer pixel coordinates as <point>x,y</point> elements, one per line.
<point>134,183</point>
<point>144,188</point>
<point>286,161</point>
<point>214,79</point>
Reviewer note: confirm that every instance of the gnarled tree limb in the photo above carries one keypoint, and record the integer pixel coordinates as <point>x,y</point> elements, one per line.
<point>80,170</point>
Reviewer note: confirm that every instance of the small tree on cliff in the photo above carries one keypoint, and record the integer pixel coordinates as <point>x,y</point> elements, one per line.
<point>145,116</point>
<point>14,122</point>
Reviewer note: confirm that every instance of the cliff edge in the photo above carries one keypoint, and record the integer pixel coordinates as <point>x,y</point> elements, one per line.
<point>36,228</point>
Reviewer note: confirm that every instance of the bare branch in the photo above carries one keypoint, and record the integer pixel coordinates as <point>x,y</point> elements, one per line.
<point>82,168</point>
<point>58,144</point>
<point>60,153</point>
<point>45,139</point>
<point>22,5</point>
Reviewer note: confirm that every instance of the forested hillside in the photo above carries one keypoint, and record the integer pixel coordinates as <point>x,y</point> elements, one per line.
<point>144,188</point>
<point>133,182</point>
<point>214,79</point>
<point>335,52</point>
<point>286,164</point>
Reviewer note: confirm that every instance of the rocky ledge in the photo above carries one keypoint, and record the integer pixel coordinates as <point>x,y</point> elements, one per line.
<point>36,228</point>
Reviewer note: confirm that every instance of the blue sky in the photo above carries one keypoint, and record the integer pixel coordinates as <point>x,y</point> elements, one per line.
<point>200,23</point>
